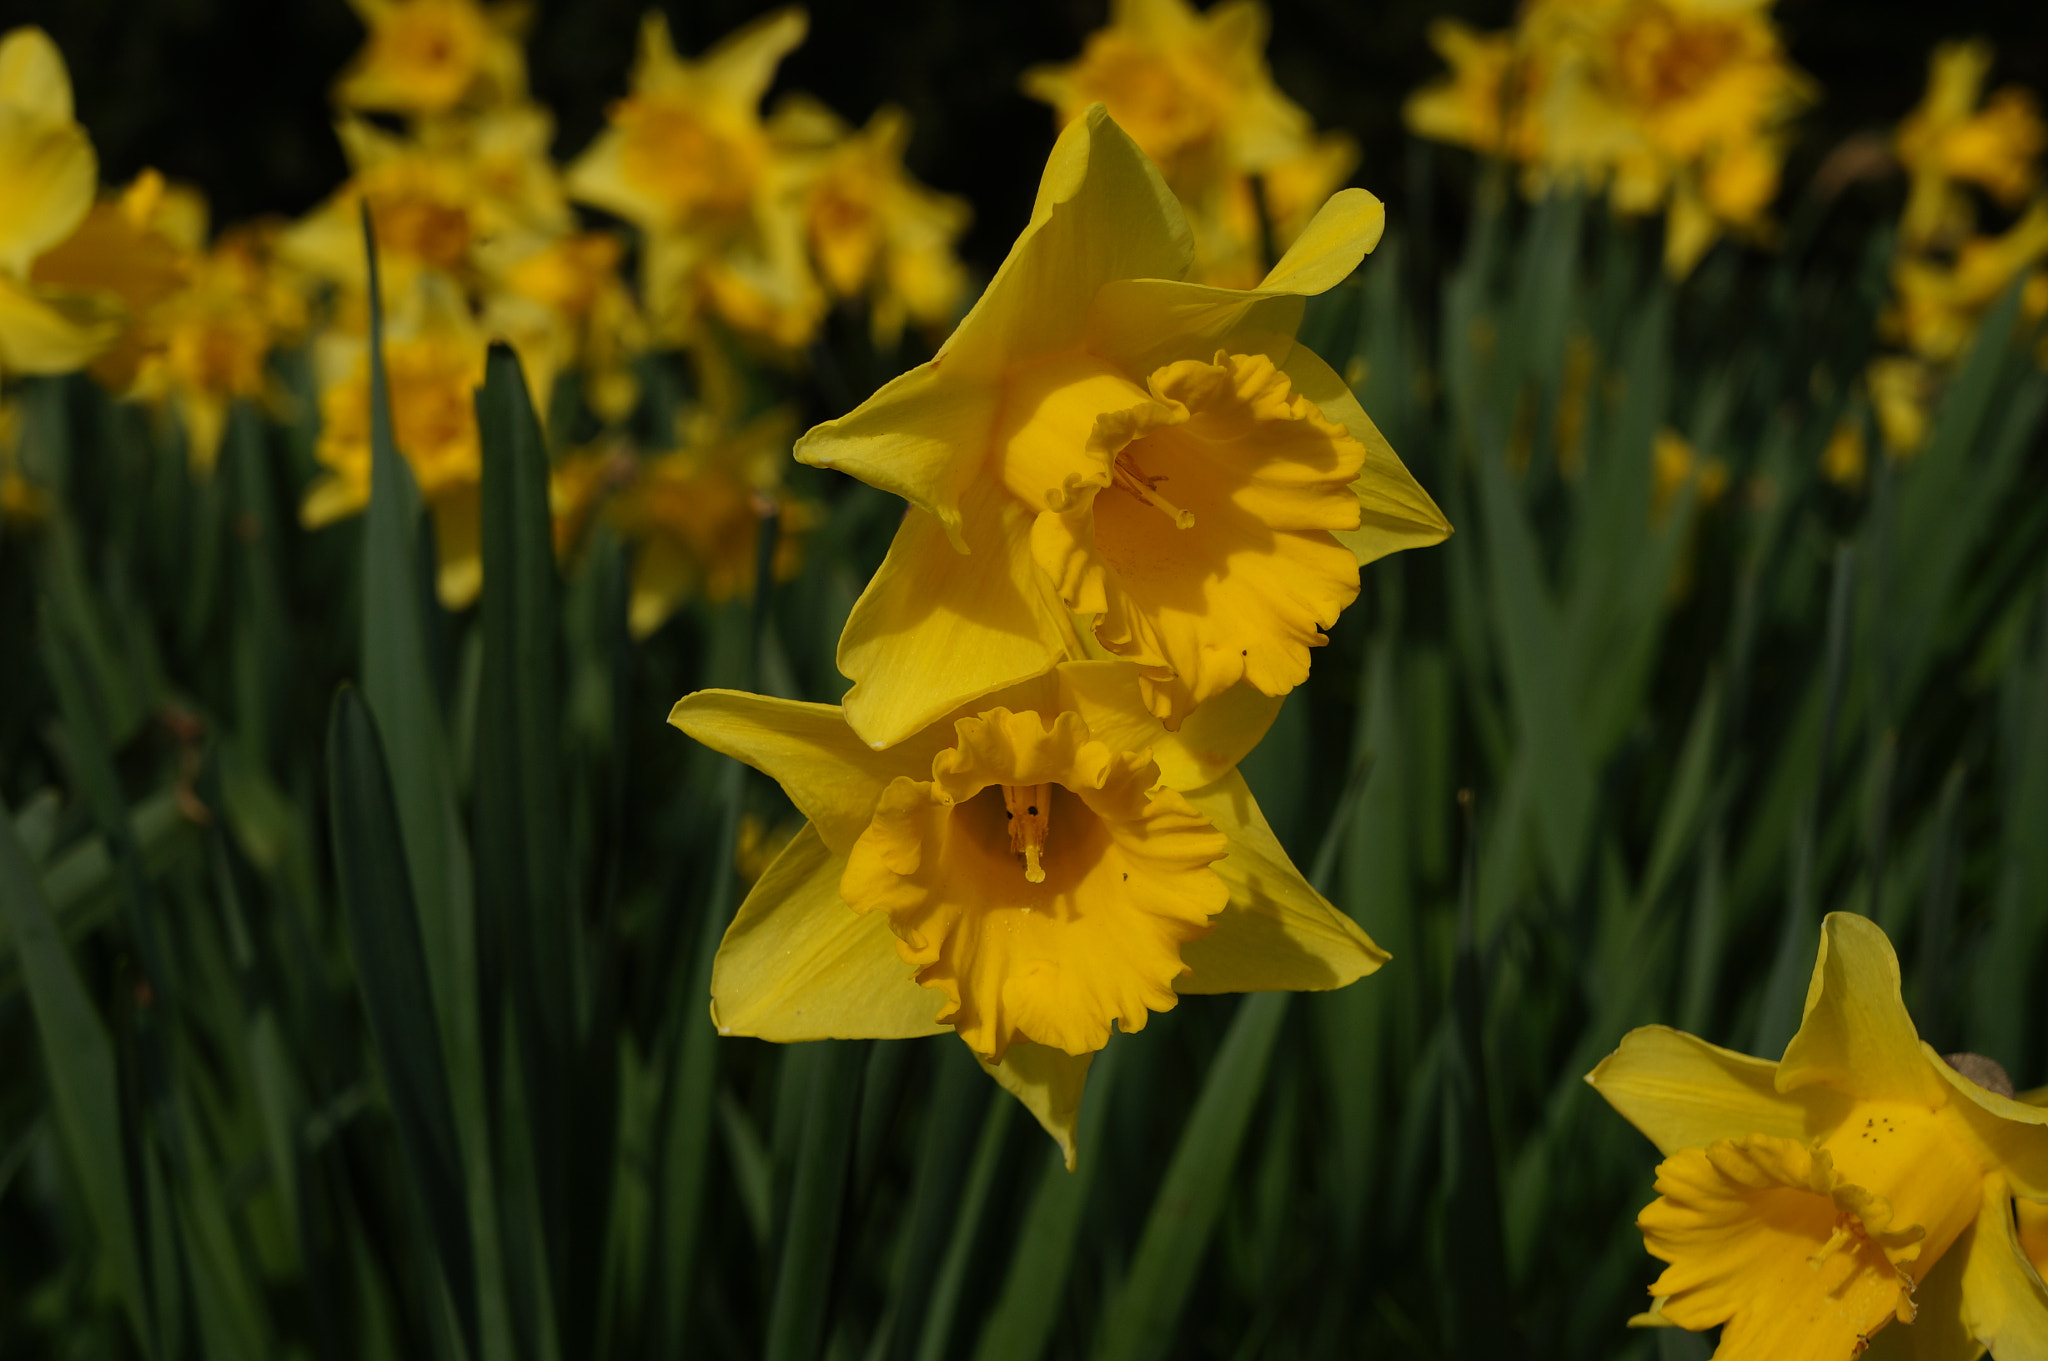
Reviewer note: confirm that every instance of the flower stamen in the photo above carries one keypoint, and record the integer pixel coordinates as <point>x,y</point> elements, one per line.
<point>1129,477</point>
<point>1029,809</point>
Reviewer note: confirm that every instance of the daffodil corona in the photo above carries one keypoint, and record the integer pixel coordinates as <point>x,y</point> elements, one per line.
<point>1033,869</point>
<point>1107,460</point>
<point>1862,1181</point>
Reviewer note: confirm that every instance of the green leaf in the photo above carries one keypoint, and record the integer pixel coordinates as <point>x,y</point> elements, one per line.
<point>391,976</point>
<point>810,1236</point>
<point>945,1291</point>
<point>1028,1309</point>
<point>959,1092</point>
<point>78,1063</point>
<point>1142,1318</point>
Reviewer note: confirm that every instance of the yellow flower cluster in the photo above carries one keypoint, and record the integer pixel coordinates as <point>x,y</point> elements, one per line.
<point>1957,148</point>
<point>125,283</point>
<point>1135,503</point>
<point>1679,105</point>
<point>1862,1181</point>
<point>1193,91</point>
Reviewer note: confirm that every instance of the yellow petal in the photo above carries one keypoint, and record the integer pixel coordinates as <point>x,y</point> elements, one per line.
<point>1937,1332</point>
<point>48,175</point>
<point>44,331</point>
<point>798,964</point>
<point>1049,1082</point>
<point>1145,324</point>
<point>1764,1237</point>
<point>1855,1035</point>
<point>2005,1303</point>
<point>1342,233</point>
<point>739,68</point>
<point>1278,933</point>
<point>924,436</point>
<point>1394,511</point>
<point>1214,738</point>
<point>936,628</point>
<point>458,547</point>
<point>831,775</point>
<point>1682,1092</point>
<point>2012,1135</point>
<point>664,575</point>
<point>32,76</point>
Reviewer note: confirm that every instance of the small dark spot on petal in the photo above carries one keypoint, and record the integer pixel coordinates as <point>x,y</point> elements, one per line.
<point>1032,810</point>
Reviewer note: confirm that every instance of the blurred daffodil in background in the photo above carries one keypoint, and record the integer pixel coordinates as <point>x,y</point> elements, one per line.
<point>1193,91</point>
<point>1862,1183</point>
<point>1675,106</point>
<point>1030,871</point>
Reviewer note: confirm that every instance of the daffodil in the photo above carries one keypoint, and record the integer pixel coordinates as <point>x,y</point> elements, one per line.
<point>1193,90</point>
<point>1032,869</point>
<point>134,249</point>
<point>1861,1181</point>
<point>1936,304</point>
<point>1486,99</point>
<point>1102,441</point>
<point>48,178</point>
<point>434,362</point>
<point>206,346</point>
<point>424,57</point>
<point>1675,466</point>
<point>875,234</point>
<point>686,157</point>
<point>693,515</point>
<point>435,201</point>
<point>1948,140</point>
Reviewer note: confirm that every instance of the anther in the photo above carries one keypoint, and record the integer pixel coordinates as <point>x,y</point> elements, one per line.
<point>1029,810</point>
<point>1131,478</point>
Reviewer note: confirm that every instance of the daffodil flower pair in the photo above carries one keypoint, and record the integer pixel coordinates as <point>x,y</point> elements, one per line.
<point>1027,870</point>
<point>1862,1181</point>
<point>1107,460</point>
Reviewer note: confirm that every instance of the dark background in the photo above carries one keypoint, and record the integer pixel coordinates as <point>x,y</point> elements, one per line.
<point>231,95</point>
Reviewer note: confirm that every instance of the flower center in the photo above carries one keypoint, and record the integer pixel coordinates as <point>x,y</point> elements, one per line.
<point>1029,810</point>
<point>1128,477</point>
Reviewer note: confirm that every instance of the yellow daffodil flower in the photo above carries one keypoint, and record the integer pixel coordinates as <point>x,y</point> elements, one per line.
<point>1486,99</point>
<point>1033,868</point>
<point>874,233</point>
<point>1948,139</point>
<point>434,362</point>
<point>48,178</point>
<point>1676,465</point>
<point>1100,438</point>
<point>693,515</point>
<point>1936,306</point>
<point>435,200</point>
<point>1845,458</point>
<point>134,249</point>
<point>423,57</point>
<point>586,317</point>
<point>1193,90</point>
<point>205,346</point>
<point>686,158</point>
<point>1861,1181</point>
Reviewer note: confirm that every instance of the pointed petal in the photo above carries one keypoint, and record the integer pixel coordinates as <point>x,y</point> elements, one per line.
<point>924,436</point>
<point>2012,1134</point>
<point>32,76</point>
<point>1685,1093</point>
<point>1342,233</point>
<point>1214,738</point>
<point>1937,1332</point>
<point>1146,324</point>
<point>1394,511</point>
<point>46,332</point>
<point>2005,1303</point>
<point>936,628</point>
<point>832,776</point>
<point>50,174</point>
<point>1855,1035</point>
<point>1278,933</point>
<point>740,67</point>
<point>798,964</point>
<point>1049,1082</point>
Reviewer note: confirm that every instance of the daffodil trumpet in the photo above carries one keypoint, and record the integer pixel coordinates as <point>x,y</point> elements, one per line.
<point>1107,460</point>
<point>1857,1193</point>
<point>1030,871</point>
